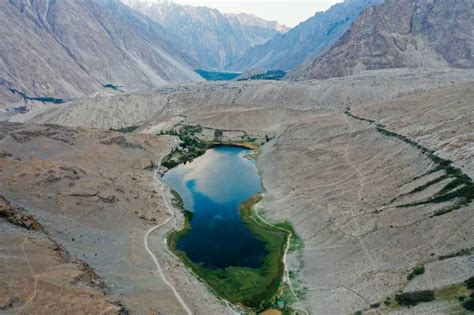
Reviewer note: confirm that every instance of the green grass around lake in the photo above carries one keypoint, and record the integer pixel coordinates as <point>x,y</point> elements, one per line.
<point>254,288</point>
<point>191,146</point>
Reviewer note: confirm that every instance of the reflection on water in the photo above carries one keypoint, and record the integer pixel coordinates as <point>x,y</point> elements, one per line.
<point>212,187</point>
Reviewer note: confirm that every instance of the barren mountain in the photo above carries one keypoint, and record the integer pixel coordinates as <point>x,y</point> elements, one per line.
<point>66,49</point>
<point>315,35</point>
<point>215,39</point>
<point>400,33</point>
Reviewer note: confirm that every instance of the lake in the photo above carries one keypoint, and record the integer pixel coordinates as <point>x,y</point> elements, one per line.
<point>212,187</point>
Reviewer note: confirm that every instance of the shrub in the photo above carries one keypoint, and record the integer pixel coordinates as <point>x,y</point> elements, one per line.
<point>218,134</point>
<point>418,270</point>
<point>413,298</point>
<point>470,283</point>
<point>468,304</point>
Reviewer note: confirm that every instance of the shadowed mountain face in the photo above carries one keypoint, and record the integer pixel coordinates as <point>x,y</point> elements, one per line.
<point>286,51</point>
<point>401,33</point>
<point>70,48</point>
<point>215,39</point>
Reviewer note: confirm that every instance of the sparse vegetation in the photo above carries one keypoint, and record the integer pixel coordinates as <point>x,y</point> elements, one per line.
<point>126,129</point>
<point>468,304</point>
<point>470,283</point>
<point>462,252</point>
<point>418,270</point>
<point>350,114</point>
<point>268,75</point>
<point>462,293</point>
<point>453,292</point>
<point>460,189</point>
<point>218,134</point>
<point>190,147</point>
<point>413,298</point>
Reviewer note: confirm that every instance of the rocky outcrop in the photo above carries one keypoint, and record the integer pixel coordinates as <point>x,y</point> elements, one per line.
<point>17,216</point>
<point>397,34</point>
<point>121,141</point>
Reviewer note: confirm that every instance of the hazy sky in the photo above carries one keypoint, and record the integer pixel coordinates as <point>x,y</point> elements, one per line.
<point>284,11</point>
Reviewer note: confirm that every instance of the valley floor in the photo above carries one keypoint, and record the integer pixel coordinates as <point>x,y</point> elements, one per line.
<point>361,199</point>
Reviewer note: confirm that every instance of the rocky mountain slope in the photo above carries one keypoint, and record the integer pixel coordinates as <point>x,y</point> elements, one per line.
<point>286,51</point>
<point>400,33</point>
<point>215,39</point>
<point>67,49</point>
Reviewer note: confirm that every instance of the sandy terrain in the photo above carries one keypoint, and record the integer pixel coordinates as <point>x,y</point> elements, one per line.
<point>334,178</point>
<point>94,193</point>
<point>37,275</point>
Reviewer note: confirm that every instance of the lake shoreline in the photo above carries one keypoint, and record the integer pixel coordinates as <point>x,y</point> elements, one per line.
<point>275,237</point>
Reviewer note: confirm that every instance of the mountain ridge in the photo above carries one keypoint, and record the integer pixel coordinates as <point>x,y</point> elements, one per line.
<point>67,49</point>
<point>215,39</point>
<point>287,51</point>
<point>400,34</point>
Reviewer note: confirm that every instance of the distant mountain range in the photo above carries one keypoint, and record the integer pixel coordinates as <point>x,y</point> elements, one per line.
<point>287,51</point>
<point>59,50</point>
<point>66,49</point>
<point>215,39</point>
<point>400,34</point>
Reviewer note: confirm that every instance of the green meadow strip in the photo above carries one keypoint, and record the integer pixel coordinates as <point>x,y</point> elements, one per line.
<point>460,189</point>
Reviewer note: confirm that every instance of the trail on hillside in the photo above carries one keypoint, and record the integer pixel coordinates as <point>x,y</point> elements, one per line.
<point>286,273</point>
<point>155,260</point>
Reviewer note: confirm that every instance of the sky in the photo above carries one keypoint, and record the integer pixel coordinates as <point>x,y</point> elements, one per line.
<point>285,12</point>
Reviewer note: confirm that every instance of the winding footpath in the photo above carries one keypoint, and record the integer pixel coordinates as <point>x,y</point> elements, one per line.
<point>159,270</point>
<point>286,273</point>
<point>155,260</point>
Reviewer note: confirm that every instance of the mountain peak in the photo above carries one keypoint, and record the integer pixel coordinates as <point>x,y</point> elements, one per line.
<point>400,34</point>
<point>302,42</point>
<point>215,39</point>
